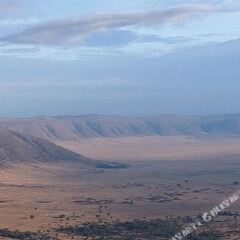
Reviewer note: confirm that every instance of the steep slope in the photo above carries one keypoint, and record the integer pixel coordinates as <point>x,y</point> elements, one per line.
<point>19,147</point>
<point>16,147</point>
<point>71,128</point>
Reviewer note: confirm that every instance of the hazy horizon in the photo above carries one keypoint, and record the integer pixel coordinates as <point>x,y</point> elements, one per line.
<point>117,115</point>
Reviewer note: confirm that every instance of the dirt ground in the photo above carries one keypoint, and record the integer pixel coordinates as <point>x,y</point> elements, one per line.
<point>42,196</point>
<point>166,178</point>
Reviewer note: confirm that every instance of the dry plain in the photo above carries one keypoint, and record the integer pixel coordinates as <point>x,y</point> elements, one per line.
<point>45,196</point>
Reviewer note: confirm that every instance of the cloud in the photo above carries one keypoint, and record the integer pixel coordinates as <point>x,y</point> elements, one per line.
<point>146,38</point>
<point>10,9</point>
<point>7,7</point>
<point>75,30</point>
<point>111,38</point>
<point>121,38</point>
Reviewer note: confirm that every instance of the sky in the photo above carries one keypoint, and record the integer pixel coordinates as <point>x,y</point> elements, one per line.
<point>138,57</point>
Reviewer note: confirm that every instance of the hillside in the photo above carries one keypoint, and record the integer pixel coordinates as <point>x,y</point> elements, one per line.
<point>71,128</point>
<point>16,147</point>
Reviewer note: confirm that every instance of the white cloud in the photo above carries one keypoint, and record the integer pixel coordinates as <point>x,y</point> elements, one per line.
<point>74,30</point>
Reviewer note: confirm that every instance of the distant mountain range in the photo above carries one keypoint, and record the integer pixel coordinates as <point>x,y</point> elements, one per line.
<point>73,128</point>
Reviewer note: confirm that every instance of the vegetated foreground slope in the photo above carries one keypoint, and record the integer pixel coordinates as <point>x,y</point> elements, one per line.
<point>89,126</point>
<point>15,147</point>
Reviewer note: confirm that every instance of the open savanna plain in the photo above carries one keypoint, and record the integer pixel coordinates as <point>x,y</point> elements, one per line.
<point>47,196</point>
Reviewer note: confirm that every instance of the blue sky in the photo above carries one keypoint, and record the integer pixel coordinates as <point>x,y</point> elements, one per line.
<point>135,57</point>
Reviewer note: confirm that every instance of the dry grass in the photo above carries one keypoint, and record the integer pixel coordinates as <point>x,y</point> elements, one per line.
<point>155,148</point>
<point>152,187</point>
<point>145,190</point>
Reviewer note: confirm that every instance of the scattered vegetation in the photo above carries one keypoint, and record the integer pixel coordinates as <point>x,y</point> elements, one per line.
<point>137,229</point>
<point>110,165</point>
<point>236,183</point>
<point>210,235</point>
<point>24,235</point>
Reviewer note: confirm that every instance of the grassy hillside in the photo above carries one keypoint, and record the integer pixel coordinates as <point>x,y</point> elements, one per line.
<point>15,147</point>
